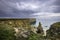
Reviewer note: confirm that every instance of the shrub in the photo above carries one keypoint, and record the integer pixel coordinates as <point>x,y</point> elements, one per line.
<point>6,32</point>
<point>33,36</point>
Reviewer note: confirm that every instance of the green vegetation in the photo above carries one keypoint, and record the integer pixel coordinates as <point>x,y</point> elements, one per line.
<point>54,32</point>
<point>34,36</point>
<point>6,32</point>
<point>25,32</point>
<point>56,24</point>
<point>7,26</point>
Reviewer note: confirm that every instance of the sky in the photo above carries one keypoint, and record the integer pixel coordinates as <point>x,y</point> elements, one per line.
<point>45,11</point>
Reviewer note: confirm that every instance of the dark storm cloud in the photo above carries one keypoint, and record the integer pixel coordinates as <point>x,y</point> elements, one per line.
<point>25,8</point>
<point>8,9</point>
<point>57,10</point>
<point>47,11</point>
<point>57,2</point>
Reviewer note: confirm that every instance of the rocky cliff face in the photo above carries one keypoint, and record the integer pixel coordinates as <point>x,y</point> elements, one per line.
<point>24,28</point>
<point>25,23</point>
<point>54,31</point>
<point>39,29</point>
<point>21,26</point>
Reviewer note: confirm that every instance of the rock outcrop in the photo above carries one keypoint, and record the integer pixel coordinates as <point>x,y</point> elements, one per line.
<point>21,26</point>
<point>39,29</point>
<point>54,32</point>
<point>24,28</point>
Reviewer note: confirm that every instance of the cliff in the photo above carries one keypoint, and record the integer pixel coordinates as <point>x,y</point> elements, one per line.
<point>25,23</point>
<point>54,32</point>
<point>24,28</point>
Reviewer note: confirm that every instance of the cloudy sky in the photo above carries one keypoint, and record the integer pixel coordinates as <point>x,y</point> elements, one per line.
<point>45,11</point>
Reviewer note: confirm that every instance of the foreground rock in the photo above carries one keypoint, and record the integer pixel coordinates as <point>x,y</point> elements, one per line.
<point>54,32</point>
<point>40,29</point>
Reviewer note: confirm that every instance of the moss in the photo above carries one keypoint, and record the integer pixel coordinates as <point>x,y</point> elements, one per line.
<point>6,32</point>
